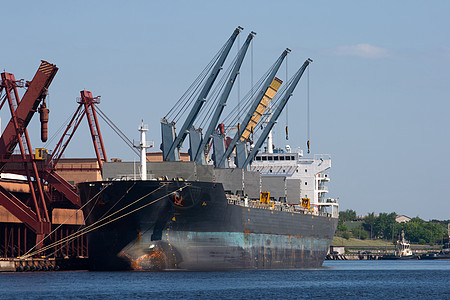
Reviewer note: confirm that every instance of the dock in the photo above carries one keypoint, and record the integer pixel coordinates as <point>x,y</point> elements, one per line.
<point>370,256</point>
<point>43,264</point>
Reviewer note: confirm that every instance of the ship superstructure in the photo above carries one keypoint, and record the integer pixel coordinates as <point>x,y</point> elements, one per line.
<point>291,177</point>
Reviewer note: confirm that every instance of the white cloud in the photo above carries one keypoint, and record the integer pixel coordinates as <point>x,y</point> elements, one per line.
<point>362,50</point>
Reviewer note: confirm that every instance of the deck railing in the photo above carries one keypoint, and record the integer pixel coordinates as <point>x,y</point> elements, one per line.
<point>274,206</point>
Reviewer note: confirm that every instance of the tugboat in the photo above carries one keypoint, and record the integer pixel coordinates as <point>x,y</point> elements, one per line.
<point>402,251</point>
<point>444,253</point>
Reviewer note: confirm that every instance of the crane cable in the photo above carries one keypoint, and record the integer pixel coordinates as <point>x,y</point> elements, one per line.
<point>37,244</point>
<point>117,130</point>
<point>273,104</point>
<point>85,230</point>
<point>77,233</point>
<point>57,132</point>
<point>213,99</point>
<point>239,81</point>
<point>287,110</point>
<point>233,117</point>
<point>90,211</point>
<point>307,112</point>
<point>186,99</point>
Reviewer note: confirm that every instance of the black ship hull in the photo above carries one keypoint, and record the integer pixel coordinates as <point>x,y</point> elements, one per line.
<point>167,225</point>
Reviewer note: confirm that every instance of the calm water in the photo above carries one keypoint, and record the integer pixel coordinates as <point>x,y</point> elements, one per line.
<point>336,280</point>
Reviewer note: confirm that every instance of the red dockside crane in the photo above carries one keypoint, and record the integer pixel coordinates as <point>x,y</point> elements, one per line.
<point>36,217</point>
<point>86,107</point>
<point>45,185</point>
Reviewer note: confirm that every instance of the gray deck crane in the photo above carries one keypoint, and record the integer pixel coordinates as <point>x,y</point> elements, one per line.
<point>170,144</point>
<point>199,154</point>
<point>220,161</point>
<point>273,119</point>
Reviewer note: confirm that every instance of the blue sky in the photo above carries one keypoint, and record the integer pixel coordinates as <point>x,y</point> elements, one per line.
<point>379,84</point>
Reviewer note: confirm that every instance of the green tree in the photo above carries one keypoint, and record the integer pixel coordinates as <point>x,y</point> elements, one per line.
<point>347,215</point>
<point>384,224</point>
<point>359,233</point>
<point>422,232</point>
<point>369,222</point>
<point>342,227</point>
<point>346,235</point>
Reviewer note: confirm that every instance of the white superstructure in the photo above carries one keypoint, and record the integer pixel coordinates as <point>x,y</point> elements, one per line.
<point>291,177</point>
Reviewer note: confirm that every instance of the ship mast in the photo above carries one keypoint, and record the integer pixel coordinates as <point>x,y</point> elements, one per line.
<point>143,147</point>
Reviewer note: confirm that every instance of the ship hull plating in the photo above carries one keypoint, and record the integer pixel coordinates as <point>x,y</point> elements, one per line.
<point>167,225</point>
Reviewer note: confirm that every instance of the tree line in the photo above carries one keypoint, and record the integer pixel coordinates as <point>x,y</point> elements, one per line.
<point>383,226</point>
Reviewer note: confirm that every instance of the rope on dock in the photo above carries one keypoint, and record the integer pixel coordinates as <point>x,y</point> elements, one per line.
<point>59,226</point>
<point>95,226</point>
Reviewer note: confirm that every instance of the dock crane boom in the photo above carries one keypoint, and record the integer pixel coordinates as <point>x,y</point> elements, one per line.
<point>172,154</point>
<point>15,133</point>
<point>86,107</point>
<point>221,160</point>
<point>36,92</point>
<point>273,119</point>
<point>223,99</point>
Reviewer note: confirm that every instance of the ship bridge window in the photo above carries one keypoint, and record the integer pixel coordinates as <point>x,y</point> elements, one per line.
<point>264,158</point>
<point>292,157</point>
<point>270,157</point>
<point>275,158</point>
<point>281,157</point>
<point>288,158</point>
<point>258,158</point>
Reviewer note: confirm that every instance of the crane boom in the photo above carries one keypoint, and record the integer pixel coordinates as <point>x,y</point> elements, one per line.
<point>221,160</point>
<point>277,112</point>
<point>86,107</point>
<point>223,99</point>
<point>36,92</point>
<point>170,155</point>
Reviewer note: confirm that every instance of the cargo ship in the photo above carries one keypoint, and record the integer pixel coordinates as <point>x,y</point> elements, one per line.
<point>160,224</point>
<point>235,209</point>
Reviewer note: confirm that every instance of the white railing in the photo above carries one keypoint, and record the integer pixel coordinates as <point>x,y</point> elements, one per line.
<point>233,200</point>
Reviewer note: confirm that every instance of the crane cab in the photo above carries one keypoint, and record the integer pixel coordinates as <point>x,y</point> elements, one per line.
<point>40,153</point>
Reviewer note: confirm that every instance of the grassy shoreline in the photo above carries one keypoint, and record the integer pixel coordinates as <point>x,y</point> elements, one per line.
<point>340,241</point>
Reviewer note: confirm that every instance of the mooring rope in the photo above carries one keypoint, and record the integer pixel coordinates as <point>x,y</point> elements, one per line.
<point>123,196</point>
<point>91,227</point>
<point>59,226</point>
